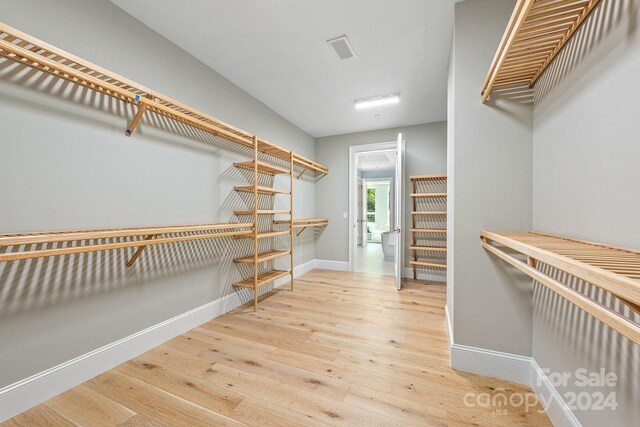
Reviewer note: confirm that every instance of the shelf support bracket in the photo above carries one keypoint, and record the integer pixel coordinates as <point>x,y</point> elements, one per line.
<point>138,252</point>
<point>300,232</point>
<point>136,119</point>
<point>303,171</point>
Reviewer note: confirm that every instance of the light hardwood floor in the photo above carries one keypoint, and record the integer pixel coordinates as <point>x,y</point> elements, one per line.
<point>343,349</point>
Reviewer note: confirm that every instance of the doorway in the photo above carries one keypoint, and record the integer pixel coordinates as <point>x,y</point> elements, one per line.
<point>374,237</point>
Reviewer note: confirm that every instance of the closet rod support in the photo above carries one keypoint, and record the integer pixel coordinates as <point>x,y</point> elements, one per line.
<point>136,119</point>
<point>303,171</point>
<point>138,252</point>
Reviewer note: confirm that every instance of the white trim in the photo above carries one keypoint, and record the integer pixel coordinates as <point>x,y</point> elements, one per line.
<point>29,392</point>
<point>327,264</point>
<point>447,318</point>
<point>506,366</point>
<point>559,413</point>
<point>353,173</point>
<point>512,367</point>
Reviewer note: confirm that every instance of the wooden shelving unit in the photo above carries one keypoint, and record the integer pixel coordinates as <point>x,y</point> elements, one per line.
<point>536,33</point>
<point>35,53</point>
<point>260,276</point>
<point>428,244</point>
<point>613,269</point>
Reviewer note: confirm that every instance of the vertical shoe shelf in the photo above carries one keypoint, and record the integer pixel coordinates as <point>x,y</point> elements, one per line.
<point>263,275</point>
<point>429,223</point>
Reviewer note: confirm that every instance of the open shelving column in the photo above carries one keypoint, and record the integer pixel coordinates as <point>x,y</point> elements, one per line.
<point>259,278</point>
<point>612,269</point>
<point>427,191</point>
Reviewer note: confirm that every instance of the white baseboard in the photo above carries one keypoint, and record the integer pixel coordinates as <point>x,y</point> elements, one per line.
<point>327,264</point>
<point>557,409</point>
<point>29,392</point>
<point>512,367</point>
<point>506,366</point>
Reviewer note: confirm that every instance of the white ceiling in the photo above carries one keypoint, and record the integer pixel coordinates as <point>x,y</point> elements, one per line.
<point>276,50</point>
<point>376,160</point>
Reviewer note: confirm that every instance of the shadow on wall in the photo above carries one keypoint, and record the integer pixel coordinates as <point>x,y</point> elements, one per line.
<point>591,344</point>
<point>609,15</point>
<point>33,284</point>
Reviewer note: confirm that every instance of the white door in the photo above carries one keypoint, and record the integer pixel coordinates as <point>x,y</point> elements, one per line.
<point>363,213</point>
<point>397,217</point>
<point>359,218</point>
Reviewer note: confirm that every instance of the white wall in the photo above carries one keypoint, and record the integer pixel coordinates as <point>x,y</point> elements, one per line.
<point>490,161</point>
<point>585,185</point>
<point>426,153</point>
<point>66,164</point>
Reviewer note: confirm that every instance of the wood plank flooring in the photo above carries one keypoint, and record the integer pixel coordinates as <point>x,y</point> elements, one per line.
<point>343,349</point>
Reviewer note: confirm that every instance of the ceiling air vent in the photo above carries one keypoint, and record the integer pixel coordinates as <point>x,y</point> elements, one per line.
<point>342,47</point>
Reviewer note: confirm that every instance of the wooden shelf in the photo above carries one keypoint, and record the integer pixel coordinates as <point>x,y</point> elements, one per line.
<point>428,264</point>
<point>263,257</point>
<point>428,177</point>
<point>428,212</point>
<point>428,248</point>
<point>305,222</point>
<point>419,195</point>
<point>261,190</point>
<point>265,234</point>
<point>261,212</point>
<point>40,55</point>
<point>612,269</point>
<point>263,167</point>
<point>147,236</point>
<point>263,279</point>
<point>535,34</point>
<point>429,230</point>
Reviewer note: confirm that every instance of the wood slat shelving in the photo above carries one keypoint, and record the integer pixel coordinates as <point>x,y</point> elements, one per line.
<point>430,193</point>
<point>21,246</point>
<point>261,212</point>
<point>261,190</point>
<point>428,212</point>
<point>265,234</point>
<point>610,268</point>
<point>428,264</point>
<point>30,51</point>
<point>535,34</point>
<point>263,167</point>
<point>429,230</point>
<point>262,279</point>
<point>263,257</point>
<point>428,248</point>
<point>258,167</point>
<point>305,223</point>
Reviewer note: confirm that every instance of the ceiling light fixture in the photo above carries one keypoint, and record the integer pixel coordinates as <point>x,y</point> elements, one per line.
<point>377,101</point>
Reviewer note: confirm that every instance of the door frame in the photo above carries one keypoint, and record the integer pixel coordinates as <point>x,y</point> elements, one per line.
<point>354,150</point>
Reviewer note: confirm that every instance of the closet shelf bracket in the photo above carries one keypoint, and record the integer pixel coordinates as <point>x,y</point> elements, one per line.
<point>138,252</point>
<point>303,171</point>
<point>136,119</point>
